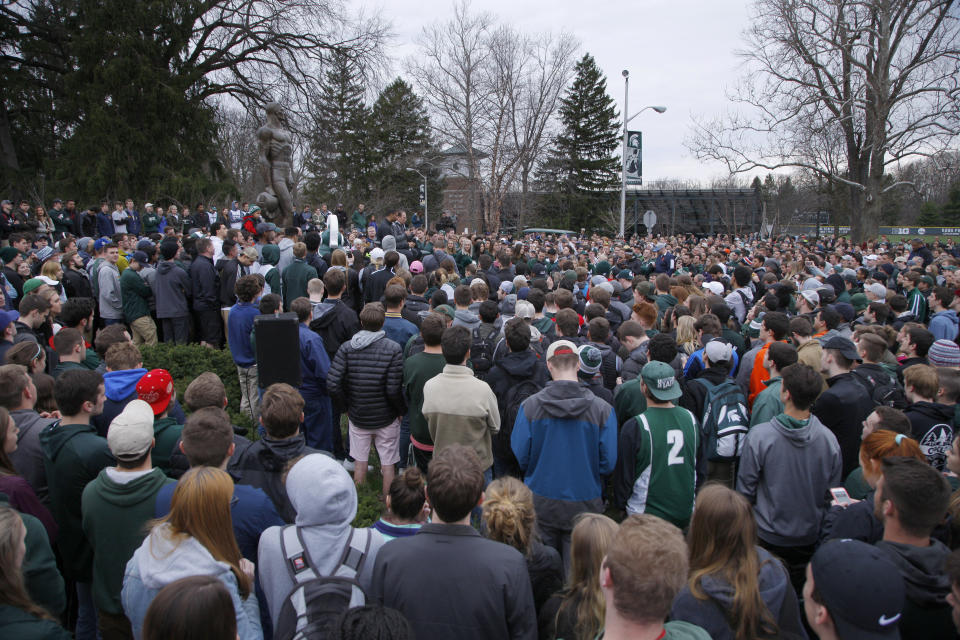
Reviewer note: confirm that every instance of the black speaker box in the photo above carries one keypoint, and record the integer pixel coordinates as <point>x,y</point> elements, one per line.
<point>278,349</point>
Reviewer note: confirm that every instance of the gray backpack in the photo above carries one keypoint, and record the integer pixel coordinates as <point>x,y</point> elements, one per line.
<point>316,602</point>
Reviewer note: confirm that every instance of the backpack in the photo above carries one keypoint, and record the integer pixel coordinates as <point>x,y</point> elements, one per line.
<point>725,420</point>
<point>316,602</point>
<point>885,393</point>
<point>481,350</point>
<point>515,397</point>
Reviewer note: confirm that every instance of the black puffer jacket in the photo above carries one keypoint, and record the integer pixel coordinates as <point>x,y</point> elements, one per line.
<point>366,380</point>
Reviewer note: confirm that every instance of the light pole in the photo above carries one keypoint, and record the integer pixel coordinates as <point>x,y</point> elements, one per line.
<point>426,216</point>
<point>623,152</point>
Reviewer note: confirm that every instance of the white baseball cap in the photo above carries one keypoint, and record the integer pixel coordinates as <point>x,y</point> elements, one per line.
<point>716,288</point>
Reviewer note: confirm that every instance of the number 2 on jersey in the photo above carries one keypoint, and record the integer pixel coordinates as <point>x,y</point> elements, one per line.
<point>675,439</point>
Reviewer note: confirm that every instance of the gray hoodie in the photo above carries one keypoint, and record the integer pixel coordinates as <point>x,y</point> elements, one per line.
<point>389,243</point>
<point>28,456</point>
<point>787,474</point>
<point>108,281</point>
<point>286,253</point>
<point>466,318</point>
<point>162,559</point>
<point>325,499</point>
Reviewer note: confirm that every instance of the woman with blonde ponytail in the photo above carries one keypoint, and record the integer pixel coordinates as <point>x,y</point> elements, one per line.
<point>509,517</point>
<point>736,589</point>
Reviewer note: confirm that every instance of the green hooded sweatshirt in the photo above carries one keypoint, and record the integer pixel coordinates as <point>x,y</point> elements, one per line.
<point>114,515</point>
<point>767,405</point>
<point>664,302</point>
<point>135,294</point>
<point>73,455</point>
<point>17,623</point>
<point>40,574</point>
<point>167,432</point>
<point>271,255</point>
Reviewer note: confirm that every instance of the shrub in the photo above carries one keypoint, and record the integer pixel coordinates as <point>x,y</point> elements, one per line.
<point>186,361</point>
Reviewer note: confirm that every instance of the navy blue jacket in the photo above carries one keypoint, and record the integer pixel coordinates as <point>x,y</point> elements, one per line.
<point>105,226</point>
<point>206,284</point>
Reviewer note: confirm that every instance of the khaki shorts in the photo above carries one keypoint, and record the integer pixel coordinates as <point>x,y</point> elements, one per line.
<point>386,439</point>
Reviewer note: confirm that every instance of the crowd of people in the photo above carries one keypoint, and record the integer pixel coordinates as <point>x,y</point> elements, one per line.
<point>575,436</point>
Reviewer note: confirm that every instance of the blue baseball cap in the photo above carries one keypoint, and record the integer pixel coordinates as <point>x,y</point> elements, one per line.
<point>6,317</point>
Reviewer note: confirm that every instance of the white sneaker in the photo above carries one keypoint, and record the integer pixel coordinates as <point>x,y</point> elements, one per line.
<point>348,464</point>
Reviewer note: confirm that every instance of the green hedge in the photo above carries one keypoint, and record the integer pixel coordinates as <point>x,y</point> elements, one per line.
<point>186,361</point>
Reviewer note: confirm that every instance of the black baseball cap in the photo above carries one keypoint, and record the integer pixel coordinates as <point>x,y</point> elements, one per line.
<point>844,345</point>
<point>861,588</point>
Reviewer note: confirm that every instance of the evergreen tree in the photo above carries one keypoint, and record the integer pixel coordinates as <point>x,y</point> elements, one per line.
<point>951,209</point>
<point>339,157</point>
<point>929,215</point>
<point>108,109</point>
<point>581,168</point>
<point>399,137</point>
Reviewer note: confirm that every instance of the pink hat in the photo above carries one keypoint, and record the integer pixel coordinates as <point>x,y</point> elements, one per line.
<point>416,267</point>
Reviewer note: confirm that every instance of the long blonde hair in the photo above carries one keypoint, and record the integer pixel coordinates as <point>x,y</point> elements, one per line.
<point>201,509</point>
<point>723,543</point>
<point>687,334</point>
<point>589,542</point>
<point>509,514</point>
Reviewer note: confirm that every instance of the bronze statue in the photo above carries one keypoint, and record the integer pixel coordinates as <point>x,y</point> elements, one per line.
<point>276,161</point>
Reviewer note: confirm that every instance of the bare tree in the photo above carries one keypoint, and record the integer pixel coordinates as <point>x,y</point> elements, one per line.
<point>449,73</point>
<point>491,91</point>
<point>550,69</point>
<point>843,88</point>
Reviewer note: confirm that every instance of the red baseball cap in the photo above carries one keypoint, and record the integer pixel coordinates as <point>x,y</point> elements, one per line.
<point>156,389</point>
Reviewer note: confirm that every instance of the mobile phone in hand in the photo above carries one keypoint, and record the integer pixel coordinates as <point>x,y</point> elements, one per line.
<point>841,496</point>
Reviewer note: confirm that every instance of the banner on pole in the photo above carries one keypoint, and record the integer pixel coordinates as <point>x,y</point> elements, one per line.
<point>634,160</point>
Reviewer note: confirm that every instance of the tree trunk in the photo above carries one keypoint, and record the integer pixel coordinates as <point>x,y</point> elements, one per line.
<point>8,153</point>
<point>524,187</point>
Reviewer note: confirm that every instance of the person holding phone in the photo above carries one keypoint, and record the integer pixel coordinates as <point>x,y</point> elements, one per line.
<point>856,519</point>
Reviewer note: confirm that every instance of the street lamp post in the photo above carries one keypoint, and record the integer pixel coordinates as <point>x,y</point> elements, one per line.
<point>623,152</point>
<point>426,216</point>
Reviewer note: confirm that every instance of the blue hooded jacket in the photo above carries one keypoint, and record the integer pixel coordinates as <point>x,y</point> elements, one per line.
<point>944,324</point>
<point>120,387</point>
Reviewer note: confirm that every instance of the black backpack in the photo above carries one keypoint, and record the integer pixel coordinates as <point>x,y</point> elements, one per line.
<point>316,602</point>
<point>515,397</point>
<point>886,393</point>
<point>481,350</point>
<point>725,420</point>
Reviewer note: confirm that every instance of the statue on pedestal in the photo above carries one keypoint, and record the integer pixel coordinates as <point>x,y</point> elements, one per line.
<point>276,162</point>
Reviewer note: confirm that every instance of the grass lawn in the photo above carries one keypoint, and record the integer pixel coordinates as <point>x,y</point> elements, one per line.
<point>369,506</point>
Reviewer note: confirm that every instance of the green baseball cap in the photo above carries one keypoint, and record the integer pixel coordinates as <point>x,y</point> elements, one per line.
<point>661,379</point>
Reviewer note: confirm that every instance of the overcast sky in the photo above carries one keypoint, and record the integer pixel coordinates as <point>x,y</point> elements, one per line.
<point>680,54</point>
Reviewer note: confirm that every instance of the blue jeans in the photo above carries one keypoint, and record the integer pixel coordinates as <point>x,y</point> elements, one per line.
<point>86,613</point>
<point>404,442</point>
<point>109,321</point>
<point>318,421</point>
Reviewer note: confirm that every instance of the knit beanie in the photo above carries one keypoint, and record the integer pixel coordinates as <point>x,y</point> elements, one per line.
<point>944,353</point>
